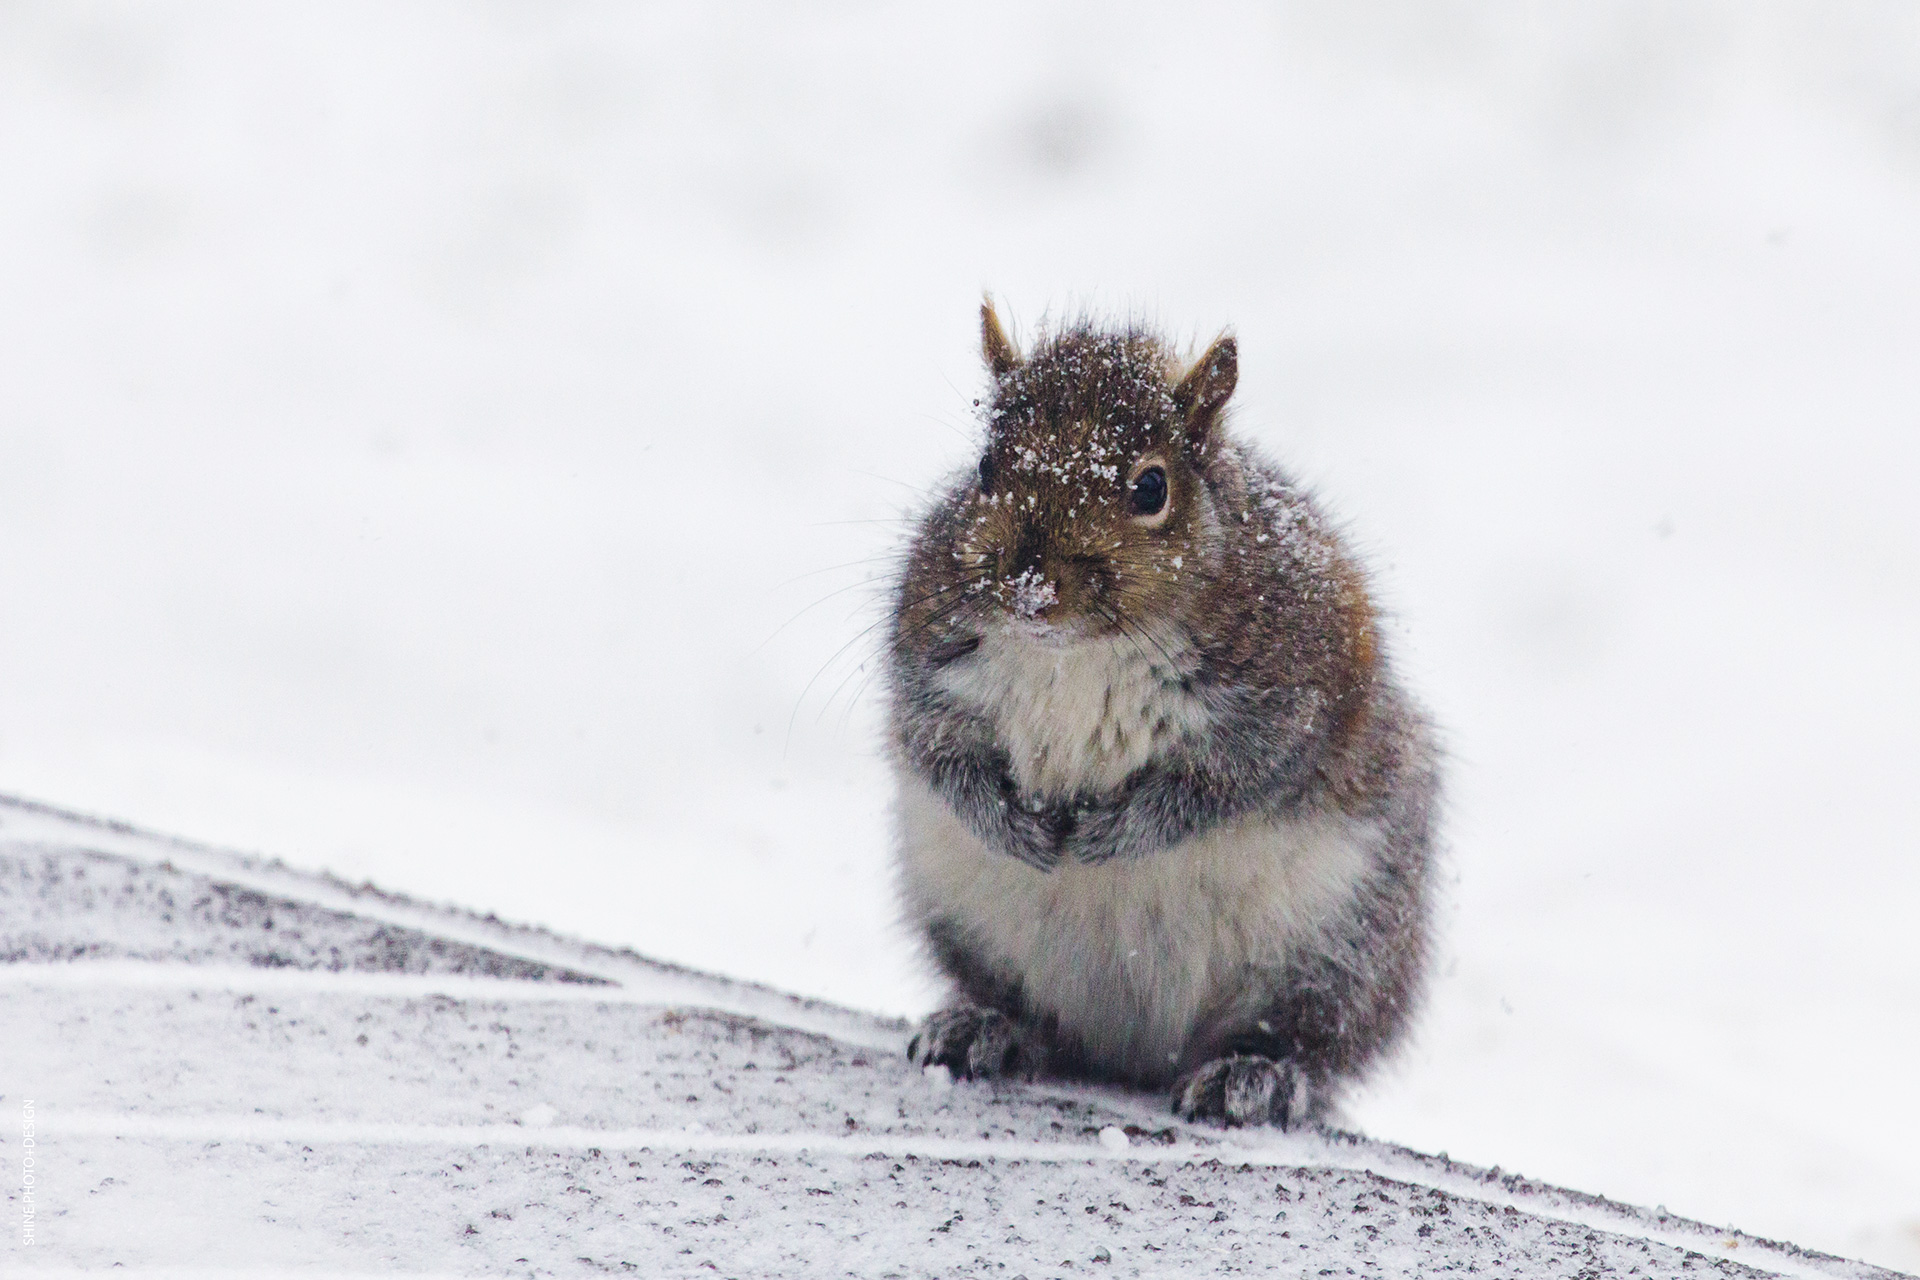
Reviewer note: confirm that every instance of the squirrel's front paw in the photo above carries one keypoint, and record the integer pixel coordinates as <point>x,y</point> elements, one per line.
<point>971,1041</point>
<point>1033,832</point>
<point>1244,1089</point>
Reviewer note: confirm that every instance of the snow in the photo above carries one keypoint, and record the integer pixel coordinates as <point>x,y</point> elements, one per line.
<point>1032,593</point>
<point>421,424</point>
<point>343,1106</point>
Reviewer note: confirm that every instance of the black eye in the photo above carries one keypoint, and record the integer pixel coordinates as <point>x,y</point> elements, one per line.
<point>1149,492</point>
<point>986,473</point>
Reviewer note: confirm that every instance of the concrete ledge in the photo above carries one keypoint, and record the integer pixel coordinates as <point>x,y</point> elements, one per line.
<point>237,1065</point>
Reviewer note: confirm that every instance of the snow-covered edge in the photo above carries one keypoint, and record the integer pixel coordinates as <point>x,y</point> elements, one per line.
<point>27,823</point>
<point>122,1272</point>
<point>638,980</point>
<point>1297,1152</point>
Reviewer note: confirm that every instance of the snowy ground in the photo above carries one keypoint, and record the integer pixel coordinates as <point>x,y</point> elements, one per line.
<point>230,1066</point>
<point>452,445</point>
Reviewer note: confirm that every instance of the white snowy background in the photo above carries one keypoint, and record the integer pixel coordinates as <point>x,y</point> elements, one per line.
<point>460,446</point>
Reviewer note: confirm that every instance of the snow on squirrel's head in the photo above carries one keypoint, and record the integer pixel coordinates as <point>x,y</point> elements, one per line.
<point>1089,513</point>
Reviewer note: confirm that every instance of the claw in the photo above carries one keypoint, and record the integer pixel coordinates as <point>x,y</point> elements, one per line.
<point>972,1043</point>
<point>1244,1089</point>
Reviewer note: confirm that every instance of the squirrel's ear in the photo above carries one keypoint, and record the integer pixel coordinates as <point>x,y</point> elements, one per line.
<point>1204,388</point>
<point>1001,356</point>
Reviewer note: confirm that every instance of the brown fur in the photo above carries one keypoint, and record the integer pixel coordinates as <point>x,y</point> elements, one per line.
<point>1242,607</point>
<point>1299,606</point>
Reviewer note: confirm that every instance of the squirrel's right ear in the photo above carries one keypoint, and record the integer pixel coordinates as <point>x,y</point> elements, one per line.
<point>1001,355</point>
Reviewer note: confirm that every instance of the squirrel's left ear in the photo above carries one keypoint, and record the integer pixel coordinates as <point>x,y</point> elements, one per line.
<point>1204,389</point>
<point>996,348</point>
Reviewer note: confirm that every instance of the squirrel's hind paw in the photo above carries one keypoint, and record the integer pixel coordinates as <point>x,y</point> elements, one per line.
<point>1244,1089</point>
<point>973,1042</point>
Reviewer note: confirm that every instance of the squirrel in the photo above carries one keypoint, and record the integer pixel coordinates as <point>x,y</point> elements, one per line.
<point>1163,815</point>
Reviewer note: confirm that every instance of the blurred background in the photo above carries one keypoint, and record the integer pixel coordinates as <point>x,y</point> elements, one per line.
<point>461,446</point>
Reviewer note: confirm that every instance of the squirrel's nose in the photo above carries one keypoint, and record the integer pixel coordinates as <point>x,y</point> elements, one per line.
<point>1028,552</point>
<point>1032,592</point>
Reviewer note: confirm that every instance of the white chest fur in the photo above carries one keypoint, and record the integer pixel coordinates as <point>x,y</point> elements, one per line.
<point>1075,718</point>
<point>1133,957</point>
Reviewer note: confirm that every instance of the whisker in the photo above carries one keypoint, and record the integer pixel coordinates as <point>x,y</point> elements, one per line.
<point>914,632</point>
<point>1121,626</point>
<point>920,491</point>
<point>814,573</point>
<point>1151,638</point>
<point>841,651</point>
<point>840,591</point>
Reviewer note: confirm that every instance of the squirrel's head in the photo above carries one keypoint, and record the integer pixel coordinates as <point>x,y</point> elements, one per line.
<point>1089,513</point>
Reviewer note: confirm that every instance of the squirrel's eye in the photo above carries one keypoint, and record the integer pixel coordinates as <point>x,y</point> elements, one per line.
<point>1149,492</point>
<point>986,473</point>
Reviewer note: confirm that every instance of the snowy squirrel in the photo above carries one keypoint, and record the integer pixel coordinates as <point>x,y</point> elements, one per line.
<point>1163,815</point>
